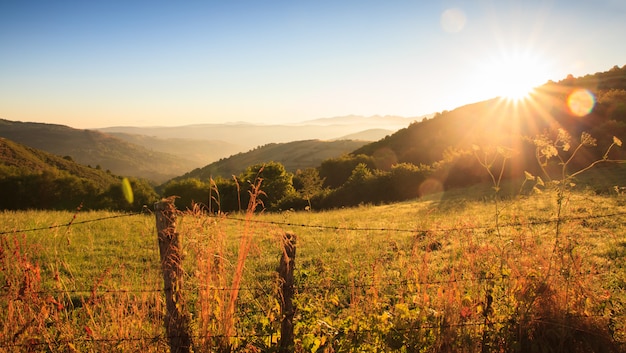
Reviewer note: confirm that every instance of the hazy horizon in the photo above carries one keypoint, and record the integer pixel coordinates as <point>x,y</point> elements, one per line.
<point>318,121</point>
<point>139,63</point>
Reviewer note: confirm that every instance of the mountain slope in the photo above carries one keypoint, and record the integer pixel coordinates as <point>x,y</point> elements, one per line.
<point>200,152</point>
<point>20,160</point>
<point>34,179</point>
<point>499,122</point>
<point>97,149</point>
<point>293,155</point>
<point>368,135</point>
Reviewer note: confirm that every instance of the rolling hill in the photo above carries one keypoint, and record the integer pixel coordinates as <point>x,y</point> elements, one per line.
<point>20,160</point>
<point>95,148</point>
<point>162,153</point>
<point>513,125</point>
<point>34,179</point>
<point>200,152</point>
<point>368,135</point>
<point>293,155</point>
<point>439,147</point>
<point>248,136</point>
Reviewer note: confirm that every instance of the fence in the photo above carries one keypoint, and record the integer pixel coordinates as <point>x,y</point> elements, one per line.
<point>397,324</point>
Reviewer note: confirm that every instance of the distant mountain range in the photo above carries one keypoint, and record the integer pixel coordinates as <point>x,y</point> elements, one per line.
<point>161,153</point>
<point>95,148</point>
<point>442,142</point>
<point>389,122</point>
<point>247,136</point>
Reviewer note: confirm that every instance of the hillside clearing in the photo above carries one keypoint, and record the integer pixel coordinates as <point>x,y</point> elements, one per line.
<point>373,278</point>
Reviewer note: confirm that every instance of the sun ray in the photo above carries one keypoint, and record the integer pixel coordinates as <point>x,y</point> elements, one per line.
<point>511,73</point>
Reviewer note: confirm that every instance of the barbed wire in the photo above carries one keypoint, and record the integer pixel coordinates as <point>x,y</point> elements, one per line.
<point>307,287</point>
<point>418,230</point>
<point>304,288</point>
<point>74,222</point>
<point>338,228</point>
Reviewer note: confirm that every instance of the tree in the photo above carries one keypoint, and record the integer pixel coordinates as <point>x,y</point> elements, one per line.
<point>359,175</point>
<point>276,182</point>
<point>406,179</point>
<point>336,171</point>
<point>309,183</point>
<point>224,196</point>
<point>188,191</point>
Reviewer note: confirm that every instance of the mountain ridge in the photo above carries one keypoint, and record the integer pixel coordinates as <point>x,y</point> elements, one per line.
<point>90,147</point>
<point>163,153</point>
<point>248,136</point>
<point>292,155</point>
<point>34,179</point>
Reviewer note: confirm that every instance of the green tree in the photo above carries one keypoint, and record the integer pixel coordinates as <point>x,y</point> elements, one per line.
<point>308,183</point>
<point>225,196</point>
<point>113,198</point>
<point>336,171</point>
<point>406,179</point>
<point>355,190</point>
<point>359,175</point>
<point>187,191</point>
<point>276,183</point>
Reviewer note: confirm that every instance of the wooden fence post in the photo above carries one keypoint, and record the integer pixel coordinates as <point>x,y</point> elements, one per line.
<point>176,318</point>
<point>285,272</point>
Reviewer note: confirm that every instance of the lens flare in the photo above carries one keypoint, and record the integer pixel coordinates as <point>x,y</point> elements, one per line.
<point>453,20</point>
<point>581,102</point>
<point>127,190</point>
<point>430,186</point>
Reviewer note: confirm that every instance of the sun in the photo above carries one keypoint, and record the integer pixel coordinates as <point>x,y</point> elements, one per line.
<point>512,76</point>
<point>514,84</point>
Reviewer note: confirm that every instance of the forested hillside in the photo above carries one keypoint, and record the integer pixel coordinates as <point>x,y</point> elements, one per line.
<point>449,137</point>
<point>571,123</point>
<point>34,179</point>
<point>95,148</point>
<point>292,155</point>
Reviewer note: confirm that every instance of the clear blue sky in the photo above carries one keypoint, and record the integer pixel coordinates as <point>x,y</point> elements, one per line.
<point>101,63</point>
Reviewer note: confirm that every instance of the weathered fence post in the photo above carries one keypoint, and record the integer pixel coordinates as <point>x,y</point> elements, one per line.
<point>176,318</point>
<point>285,272</point>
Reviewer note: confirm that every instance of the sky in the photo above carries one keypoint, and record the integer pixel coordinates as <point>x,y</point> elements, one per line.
<point>90,64</point>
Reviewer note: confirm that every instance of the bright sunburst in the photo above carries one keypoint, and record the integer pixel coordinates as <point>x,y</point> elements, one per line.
<point>515,85</point>
<point>513,76</point>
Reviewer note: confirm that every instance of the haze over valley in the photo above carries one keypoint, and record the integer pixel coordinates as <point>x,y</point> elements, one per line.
<point>162,153</point>
<point>313,176</point>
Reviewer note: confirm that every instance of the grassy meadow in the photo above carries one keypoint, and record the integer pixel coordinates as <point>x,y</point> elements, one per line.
<point>449,272</point>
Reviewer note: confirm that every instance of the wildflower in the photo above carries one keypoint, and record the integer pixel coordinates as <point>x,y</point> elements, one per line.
<point>617,141</point>
<point>587,140</point>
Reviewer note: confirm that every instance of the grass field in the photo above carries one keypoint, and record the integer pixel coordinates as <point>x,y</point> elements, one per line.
<point>445,273</point>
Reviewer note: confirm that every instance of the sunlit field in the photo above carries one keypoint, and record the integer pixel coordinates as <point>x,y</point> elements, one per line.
<point>444,273</point>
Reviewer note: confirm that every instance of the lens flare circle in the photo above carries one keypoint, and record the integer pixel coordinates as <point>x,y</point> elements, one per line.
<point>431,186</point>
<point>581,102</point>
<point>127,190</point>
<point>453,20</point>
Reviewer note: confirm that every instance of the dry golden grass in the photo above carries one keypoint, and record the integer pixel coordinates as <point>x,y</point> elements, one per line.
<point>426,275</point>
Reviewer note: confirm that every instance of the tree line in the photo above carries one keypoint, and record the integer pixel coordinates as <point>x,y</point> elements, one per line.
<point>436,151</point>
<point>339,182</point>
<point>60,190</point>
